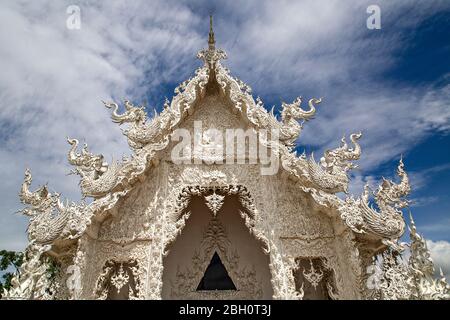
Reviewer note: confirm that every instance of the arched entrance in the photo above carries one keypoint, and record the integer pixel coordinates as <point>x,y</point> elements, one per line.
<point>216,256</point>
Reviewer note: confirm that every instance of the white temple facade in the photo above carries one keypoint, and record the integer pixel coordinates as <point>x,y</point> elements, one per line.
<point>217,223</point>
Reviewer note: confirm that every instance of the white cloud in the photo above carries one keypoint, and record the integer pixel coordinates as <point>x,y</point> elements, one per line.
<point>358,181</point>
<point>323,48</point>
<point>423,201</point>
<point>443,226</point>
<point>389,126</point>
<point>440,253</point>
<point>53,80</point>
<point>419,178</point>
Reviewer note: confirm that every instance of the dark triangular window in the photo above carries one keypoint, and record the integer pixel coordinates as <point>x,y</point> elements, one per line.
<point>216,276</point>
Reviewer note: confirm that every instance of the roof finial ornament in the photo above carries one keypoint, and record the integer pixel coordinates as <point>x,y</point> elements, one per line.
<point>211,55</point>
<point>211,40</point>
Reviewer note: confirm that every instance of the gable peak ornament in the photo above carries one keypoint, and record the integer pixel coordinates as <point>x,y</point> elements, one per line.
<point>211,56</point>
<point>214,202</point>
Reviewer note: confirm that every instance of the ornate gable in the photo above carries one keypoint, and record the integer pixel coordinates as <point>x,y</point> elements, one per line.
<point>58,225</point>
<point>148,137</point>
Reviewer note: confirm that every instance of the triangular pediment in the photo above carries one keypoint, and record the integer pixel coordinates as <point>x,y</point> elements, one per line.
<point>61,223</point>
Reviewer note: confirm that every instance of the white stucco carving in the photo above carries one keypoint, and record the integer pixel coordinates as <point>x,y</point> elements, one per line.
<point>140,207</point>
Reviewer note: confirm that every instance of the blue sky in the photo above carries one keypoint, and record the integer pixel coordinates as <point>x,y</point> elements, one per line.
<point>392,84</point>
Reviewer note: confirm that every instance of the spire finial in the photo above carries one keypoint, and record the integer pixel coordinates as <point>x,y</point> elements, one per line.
<point>211,40</point>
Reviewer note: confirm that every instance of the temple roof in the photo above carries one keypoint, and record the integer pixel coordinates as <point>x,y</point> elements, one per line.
<point>323,180</point>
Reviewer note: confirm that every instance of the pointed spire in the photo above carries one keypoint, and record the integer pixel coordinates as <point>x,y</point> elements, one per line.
<point>211,55</point>
<point>211,40</point>
<point>413,225</point>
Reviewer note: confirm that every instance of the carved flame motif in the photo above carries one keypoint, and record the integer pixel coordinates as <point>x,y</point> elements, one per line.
<point>289,127</point>
<point>290,115</point>
<point>39,199</point>
<point>33,282</point>
<point>395,283</point>
<point>141,130</point>
<point>331,173</point>
<point>97,177</point>
<point>85,161</point>
<point>48,215</point>
<point>415,279</point>
<point>422,269</point>
<point>388,222</point>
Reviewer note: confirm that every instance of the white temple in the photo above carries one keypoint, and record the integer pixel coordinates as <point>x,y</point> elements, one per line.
<point>206,228</point>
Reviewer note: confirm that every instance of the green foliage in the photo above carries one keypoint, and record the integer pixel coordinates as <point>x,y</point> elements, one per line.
<point>10,263</point>
<point>8,260</point>
<point>53,269</point>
